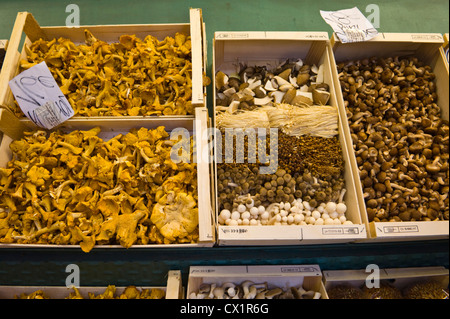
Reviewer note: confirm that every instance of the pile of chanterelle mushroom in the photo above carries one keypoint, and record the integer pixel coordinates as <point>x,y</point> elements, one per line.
<point>130,77</point>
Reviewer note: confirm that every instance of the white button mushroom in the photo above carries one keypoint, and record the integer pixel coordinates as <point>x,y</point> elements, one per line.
<point>245,215</point>
<point>298,218</point>
<point>316,214</point>
<point>254,211</point>
<point>235,215</point>
<point>306,206</point>
<point>341,208</point>
<point>319,221</point>
<point>233,222</point>
<point>334,215</point>
<point>331,207</point>
<point>241,208</point>
<point>290,219</point>
<point>225,214</point>
<point>261,209</point>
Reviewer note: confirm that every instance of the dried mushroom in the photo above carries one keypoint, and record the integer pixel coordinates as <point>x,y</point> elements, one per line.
<point>131,77</point>
<point>78,189</point>
<point>399,138</point>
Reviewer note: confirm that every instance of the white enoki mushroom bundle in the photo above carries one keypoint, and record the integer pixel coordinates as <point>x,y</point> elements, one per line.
<point>316,120</point>
<point>298,212</point>
<point>248,119</point>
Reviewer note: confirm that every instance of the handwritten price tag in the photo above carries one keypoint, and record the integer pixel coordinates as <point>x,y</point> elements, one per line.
<point>350,25</point>
<point>40,97</point>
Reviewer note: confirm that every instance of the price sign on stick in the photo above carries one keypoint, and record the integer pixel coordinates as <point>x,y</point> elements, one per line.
<point>40,97</point>
<point>350,25</point>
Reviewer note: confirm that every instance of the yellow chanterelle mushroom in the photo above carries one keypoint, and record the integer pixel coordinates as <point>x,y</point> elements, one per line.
<point>77,189</point>
<point>130,77</point>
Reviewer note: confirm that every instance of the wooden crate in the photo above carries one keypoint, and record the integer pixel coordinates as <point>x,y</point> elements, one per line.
<point>282,276</point>
<point>273,48</point>
<point>445,49</point>
<point>26,25</point>
<point>427,47</point>
<point>400,278</point>
<point>173,289</point>
<point>3,46</point>
<point>112,128</point>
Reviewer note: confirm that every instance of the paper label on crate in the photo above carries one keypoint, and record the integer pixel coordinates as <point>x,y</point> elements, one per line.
<point>40,97</point>
<point>350,25</point>
<point>401,229</point>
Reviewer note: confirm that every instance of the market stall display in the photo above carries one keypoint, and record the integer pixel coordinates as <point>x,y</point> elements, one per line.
<point>313,141</point>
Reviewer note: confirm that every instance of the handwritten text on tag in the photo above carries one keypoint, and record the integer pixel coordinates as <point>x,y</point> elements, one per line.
<point>350,25</point>
<point>40,98</point>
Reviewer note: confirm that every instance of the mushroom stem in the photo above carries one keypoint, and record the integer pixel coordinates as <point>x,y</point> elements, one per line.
<point>341,196</point>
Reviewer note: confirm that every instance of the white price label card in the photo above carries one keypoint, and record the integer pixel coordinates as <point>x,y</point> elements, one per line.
<point>40,97</point>
<point>350,25</point>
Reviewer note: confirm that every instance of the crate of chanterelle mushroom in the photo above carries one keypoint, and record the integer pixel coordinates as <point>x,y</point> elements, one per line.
<point>256,282</point>
<point>111,186</point>
<point>110,71</point>
<point>283,173</point>
<point>173,290</point>
<point>394,92</point>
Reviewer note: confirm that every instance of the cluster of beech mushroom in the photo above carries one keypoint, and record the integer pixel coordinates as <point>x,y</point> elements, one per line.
<point>296,213</point>
<point>132,77</point>
<point>399,137</point>
<point>76,188</point>
<point>250,290</point>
